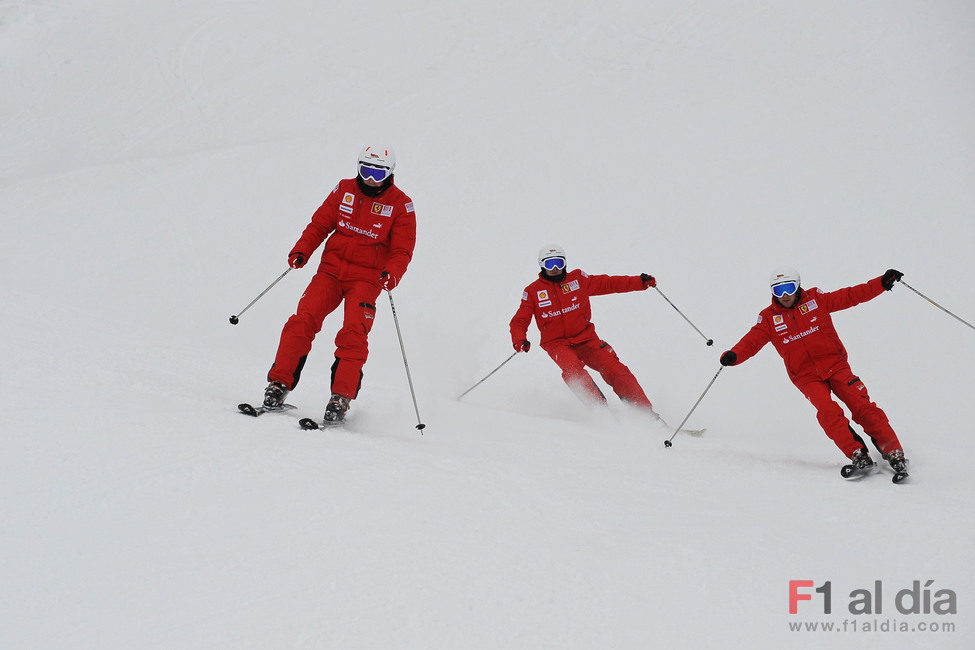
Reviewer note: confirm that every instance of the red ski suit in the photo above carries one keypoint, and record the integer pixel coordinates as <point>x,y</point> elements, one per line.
<point>817,364</point>
<point>563,315</point>
<point>366,236</point>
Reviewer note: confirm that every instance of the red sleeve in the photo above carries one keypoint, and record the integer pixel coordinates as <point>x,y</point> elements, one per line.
<point>602,284</point>
<point>851,296</point>
<point>522,318</point>
<point>402,240</point>
<point>322,223</point>
<point>753,341</point>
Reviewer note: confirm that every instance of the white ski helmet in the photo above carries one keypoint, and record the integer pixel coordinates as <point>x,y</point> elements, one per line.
<point>782,275</point>
<point>378,157</point>
<point>550,252</point>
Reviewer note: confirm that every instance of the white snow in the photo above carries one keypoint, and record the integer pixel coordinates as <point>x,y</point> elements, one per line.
<point>160,159</point>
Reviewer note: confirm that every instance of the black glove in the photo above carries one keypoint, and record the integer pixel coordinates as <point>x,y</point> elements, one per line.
<point>296,260</point>
<point>648,280</point>
<point>522,346</point>
<point>729,358</point>
<point>889,278</point>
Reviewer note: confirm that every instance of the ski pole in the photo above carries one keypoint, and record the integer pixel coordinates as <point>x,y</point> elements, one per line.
<point>234,318</point>
<point>668,443</point>
<point>406,364</point>
<point>488,375</point>
<point>936,304</point>
<point>709,341</point>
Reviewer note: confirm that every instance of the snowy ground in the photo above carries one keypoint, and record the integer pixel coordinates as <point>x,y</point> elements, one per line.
<point>158,163</point>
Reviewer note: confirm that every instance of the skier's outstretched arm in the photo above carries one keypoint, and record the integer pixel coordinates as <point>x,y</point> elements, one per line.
<point>603,284</point>
<point>851,296</point>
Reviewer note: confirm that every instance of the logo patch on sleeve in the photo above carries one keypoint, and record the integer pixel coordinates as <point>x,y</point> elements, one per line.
<point>409,206</point>
<point>524,295</point>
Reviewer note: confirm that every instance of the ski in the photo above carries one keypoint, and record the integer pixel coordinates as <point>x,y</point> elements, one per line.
<point>255,411</point>
<point>308,424</point>
<point>690,432</point>
<point>852,471</point>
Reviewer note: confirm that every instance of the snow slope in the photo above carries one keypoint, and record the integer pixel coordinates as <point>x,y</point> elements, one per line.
<point>158,163</point>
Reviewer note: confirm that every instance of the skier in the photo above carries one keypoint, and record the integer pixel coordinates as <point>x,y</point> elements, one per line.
<point>371,229</point>
<point>559,301</point>
<point>799,325</point>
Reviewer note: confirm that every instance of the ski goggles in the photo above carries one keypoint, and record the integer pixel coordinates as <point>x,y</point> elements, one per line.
<point>785,289</point>
<point>378,174</point>
<point>554,264</point>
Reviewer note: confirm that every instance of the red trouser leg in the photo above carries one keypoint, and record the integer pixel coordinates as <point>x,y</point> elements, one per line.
<point>352,341</point>
<point>574,373</point>
<point>830,416</point>
<point>866,413</point>
<point>600,356</point>
<point>321,297</point>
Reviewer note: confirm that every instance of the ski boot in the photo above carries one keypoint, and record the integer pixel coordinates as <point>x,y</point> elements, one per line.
<point>860,463</point>
<point>897,463</point>
<point>861,459</point>
<point>274,396</point>
<point>336,408</point>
